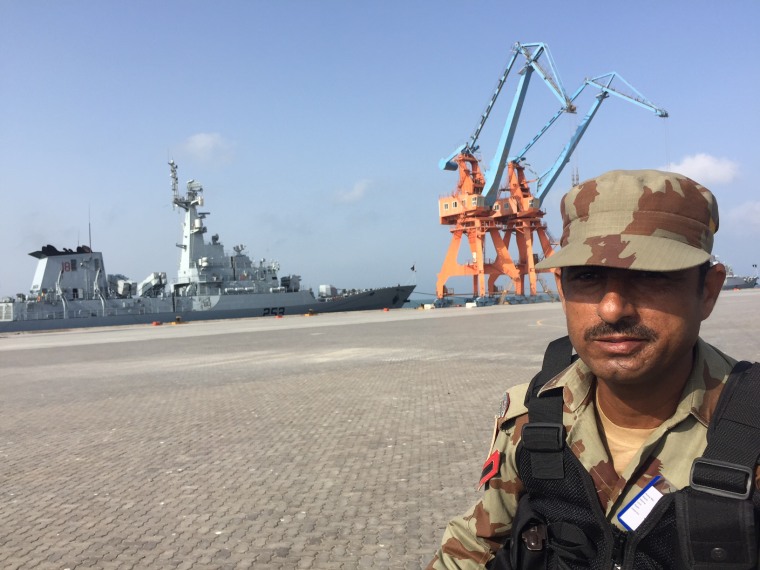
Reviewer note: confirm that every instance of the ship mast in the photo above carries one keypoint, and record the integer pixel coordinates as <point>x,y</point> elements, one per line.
<point>192,245</point>
<point>175,180</point>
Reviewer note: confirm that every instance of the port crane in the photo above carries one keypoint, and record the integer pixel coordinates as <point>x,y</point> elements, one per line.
<point>481,207</point>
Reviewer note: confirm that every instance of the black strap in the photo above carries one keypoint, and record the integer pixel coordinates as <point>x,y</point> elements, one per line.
<point>716,512</point>
<point>558,356</point>
<point>727,466</point>
<point>544,434</point>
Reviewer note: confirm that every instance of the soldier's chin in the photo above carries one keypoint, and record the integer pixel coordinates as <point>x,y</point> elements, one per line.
<point>623,370</point>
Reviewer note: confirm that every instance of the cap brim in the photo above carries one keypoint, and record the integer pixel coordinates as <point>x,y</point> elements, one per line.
<point>642,253</point>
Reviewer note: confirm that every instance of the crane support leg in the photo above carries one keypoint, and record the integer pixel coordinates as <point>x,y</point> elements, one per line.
<point>449,264</point>
<point>546,244</point>
<point>527,261</point>
<point>451,268</point>
<point>477,268</point>
<point>475,239</point>
<point>503,264</point>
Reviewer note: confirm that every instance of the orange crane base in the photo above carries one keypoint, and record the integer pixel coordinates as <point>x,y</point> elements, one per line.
<point>517,215</point>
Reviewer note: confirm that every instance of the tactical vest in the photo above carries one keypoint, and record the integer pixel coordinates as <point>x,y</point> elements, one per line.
<point>713,524</point>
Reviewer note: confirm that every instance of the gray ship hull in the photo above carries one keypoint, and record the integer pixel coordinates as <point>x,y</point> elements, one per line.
<point>736,282</point>
<point>71,289</point>
<point>84,314</point>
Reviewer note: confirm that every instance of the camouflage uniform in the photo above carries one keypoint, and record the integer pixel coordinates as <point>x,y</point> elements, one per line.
<point>469,541</point>
<point>638,220</point>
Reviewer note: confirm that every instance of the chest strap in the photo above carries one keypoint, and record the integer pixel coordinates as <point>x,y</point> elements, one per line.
<point>727,467</point>
<point>716,512</point>
<point>544,435</point>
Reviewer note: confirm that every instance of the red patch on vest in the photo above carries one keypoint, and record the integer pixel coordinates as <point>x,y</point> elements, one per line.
<point>490,468</point>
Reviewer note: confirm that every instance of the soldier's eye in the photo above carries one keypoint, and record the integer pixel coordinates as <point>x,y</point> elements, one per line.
<point>653,275</point>
<point>586,275</point>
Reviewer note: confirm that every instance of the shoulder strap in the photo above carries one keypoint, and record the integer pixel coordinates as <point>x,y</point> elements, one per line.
<point>558,356</point>
<point>727,467</point>
<point>544,434</point>
<point>716,518</point>
<point>559,521</point>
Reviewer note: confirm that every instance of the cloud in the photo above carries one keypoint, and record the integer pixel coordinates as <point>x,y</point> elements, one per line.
<point>355,194</point>
<point>745,216</point>
<point>706,169</point>
<point>208,147</point>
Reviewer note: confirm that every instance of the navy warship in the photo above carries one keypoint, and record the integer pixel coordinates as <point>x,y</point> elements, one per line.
<point>734,281</point>
<point>71,288</point>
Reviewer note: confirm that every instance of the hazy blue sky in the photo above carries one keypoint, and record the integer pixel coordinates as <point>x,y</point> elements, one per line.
<point>316,127</point>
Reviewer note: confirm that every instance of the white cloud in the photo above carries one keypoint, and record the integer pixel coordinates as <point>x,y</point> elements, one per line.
<point>706,169</point>
<point>745,216</point>
<point>208,147</point>
<point>353,195</point>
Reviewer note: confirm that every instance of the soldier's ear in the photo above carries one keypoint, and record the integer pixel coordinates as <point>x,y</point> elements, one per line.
<point>558,280</point>
<point>714,279</point>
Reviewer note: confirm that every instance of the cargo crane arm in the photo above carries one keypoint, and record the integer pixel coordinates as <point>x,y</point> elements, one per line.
<point>472,147</point>
<point>532,52</point>
<point>603,83</point>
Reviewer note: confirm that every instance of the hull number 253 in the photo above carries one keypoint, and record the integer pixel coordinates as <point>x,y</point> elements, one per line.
<point>274,311</point>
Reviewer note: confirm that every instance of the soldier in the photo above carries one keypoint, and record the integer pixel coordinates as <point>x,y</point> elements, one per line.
<point>635,278</point>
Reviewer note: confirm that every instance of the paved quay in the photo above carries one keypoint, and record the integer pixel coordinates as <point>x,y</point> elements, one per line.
<point>326,442</point>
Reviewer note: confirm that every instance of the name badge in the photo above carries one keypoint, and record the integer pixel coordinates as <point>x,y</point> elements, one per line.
<point>634,513</point>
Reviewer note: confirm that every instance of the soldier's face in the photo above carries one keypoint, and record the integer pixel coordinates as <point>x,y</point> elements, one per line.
<point>636,327</point>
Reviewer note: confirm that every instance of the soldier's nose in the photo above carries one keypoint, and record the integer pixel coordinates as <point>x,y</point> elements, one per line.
<point>616,304</point>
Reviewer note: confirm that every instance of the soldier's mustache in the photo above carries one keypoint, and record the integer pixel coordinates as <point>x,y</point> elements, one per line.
<point>602,330</point>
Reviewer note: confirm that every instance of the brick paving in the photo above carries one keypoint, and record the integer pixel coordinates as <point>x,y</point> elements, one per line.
<point>327,442</point>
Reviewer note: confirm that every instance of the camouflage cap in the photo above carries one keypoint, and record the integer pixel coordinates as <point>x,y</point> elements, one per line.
<point>636,219</point>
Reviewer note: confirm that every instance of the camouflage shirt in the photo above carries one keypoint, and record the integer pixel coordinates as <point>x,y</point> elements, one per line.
<point>470,541</point>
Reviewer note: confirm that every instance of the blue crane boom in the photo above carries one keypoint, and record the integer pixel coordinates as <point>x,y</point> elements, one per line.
<point>603,83</point>
<point>532,52</point>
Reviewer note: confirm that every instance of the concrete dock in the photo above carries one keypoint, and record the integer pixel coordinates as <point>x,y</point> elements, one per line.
<point>327,442</point>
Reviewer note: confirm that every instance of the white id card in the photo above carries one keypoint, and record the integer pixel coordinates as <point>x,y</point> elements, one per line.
<point>634,513</point>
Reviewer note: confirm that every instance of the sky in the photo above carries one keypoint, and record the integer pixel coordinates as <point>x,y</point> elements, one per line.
<point>316,127</point>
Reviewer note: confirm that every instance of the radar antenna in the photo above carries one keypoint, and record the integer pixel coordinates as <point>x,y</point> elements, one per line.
<point>175,182</point>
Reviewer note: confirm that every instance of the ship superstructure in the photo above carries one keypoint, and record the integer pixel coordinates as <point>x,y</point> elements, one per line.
<point>204,266</point>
